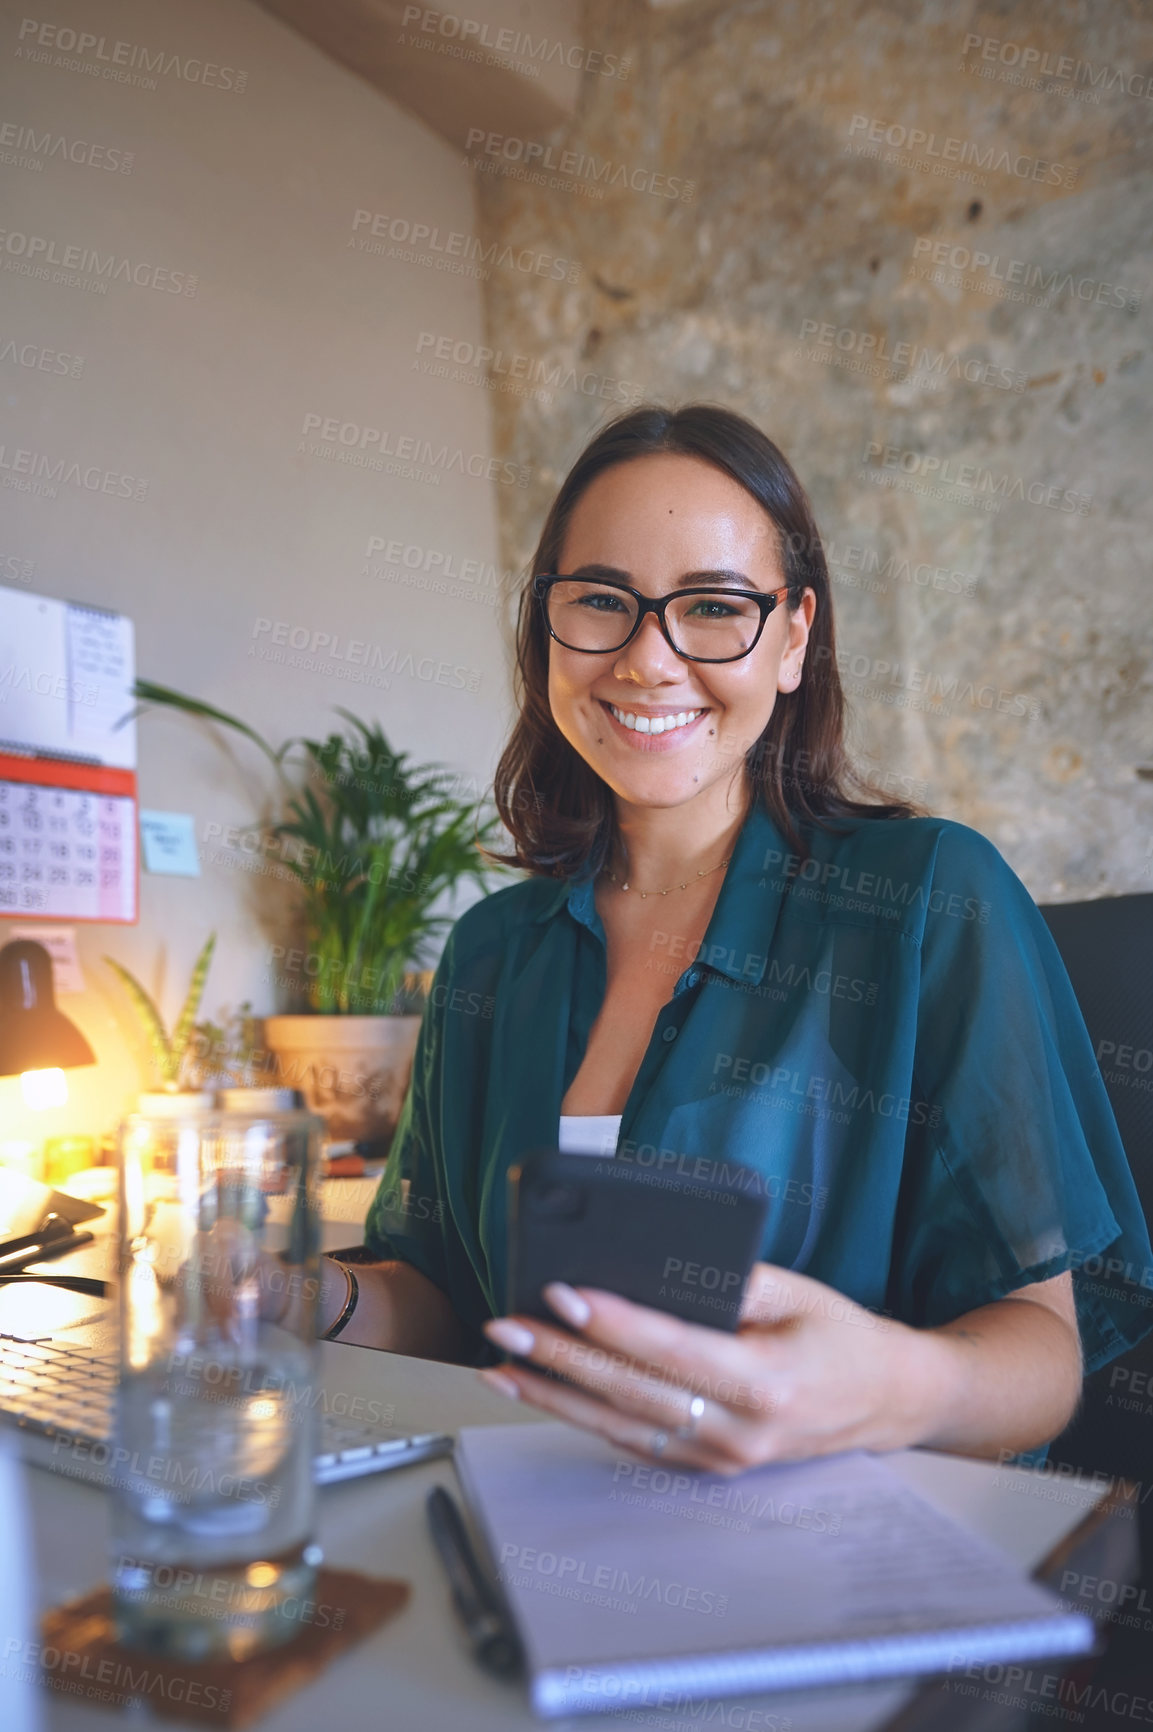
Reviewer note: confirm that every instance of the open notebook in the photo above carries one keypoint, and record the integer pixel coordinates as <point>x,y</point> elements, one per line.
<point>632,1586</point>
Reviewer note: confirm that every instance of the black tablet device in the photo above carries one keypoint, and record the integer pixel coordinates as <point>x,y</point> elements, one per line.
<point>682,1243</point>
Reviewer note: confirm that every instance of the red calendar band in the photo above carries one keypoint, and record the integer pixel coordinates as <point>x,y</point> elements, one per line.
<point>65,773</point>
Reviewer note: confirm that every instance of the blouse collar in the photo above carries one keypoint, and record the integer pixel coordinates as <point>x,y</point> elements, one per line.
<point>737,939</point>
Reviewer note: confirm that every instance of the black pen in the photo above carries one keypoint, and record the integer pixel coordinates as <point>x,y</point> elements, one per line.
<point>495,1645</point>
<point>33,1248</point>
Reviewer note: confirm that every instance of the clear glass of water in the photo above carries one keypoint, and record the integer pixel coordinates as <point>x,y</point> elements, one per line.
<point>213,1503</point>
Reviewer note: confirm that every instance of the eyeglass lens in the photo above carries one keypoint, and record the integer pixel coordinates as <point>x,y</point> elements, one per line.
<point>595,616</point>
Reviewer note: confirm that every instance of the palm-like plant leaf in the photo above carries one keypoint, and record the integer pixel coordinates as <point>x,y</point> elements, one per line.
<point>147,692</point>
<point>382,840</point>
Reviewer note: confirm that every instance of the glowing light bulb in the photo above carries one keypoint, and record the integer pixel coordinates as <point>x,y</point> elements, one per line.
<point>44,1088</point>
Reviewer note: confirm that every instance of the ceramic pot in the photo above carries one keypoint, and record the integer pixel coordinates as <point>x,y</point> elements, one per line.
<point>174,1103</point>
<point>352,1070</point>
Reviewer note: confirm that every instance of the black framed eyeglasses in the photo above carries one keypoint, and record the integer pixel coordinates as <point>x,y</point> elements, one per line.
<point>598,616</point>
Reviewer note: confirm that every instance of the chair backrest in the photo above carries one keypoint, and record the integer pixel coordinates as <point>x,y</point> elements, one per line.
<point>1107,948</point>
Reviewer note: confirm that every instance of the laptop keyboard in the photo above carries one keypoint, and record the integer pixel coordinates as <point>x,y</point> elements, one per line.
<point>53,1388</point>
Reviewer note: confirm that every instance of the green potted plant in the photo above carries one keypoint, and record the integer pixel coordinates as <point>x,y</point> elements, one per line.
<point>227,1054</point>
<point>180,1085</point>
<point>374,842</point>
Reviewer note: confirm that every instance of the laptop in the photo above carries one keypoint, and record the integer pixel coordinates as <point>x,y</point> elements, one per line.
<point>60,1360</point>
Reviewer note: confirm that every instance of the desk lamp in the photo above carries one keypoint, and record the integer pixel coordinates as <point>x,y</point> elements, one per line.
<point>37,1041</point>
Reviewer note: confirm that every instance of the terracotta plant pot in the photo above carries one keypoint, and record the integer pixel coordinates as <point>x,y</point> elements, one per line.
<point>353,1070</point>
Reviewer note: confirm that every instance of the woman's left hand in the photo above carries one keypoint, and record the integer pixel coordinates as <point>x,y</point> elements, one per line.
<point>808,1372</point>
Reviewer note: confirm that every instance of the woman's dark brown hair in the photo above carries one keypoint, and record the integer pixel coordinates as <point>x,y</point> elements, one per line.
<point>556,808</point>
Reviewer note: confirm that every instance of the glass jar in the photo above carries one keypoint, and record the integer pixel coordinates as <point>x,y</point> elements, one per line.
<point>213,1501</point>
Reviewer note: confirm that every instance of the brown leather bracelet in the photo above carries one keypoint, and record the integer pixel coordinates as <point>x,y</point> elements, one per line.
<point>338,1324</point>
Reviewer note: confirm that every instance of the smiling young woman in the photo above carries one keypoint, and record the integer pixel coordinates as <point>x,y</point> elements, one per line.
<point>728,945</point>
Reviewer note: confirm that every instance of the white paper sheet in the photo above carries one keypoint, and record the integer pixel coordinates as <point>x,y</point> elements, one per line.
<point>66,678</point>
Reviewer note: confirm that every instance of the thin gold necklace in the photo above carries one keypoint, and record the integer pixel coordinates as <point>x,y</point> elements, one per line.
<point>682,886</point>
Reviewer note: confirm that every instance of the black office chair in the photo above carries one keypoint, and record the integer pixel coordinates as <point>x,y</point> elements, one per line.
<point>1107,947</point>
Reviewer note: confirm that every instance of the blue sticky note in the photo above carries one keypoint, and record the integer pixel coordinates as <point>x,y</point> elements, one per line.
<point>168,844</point>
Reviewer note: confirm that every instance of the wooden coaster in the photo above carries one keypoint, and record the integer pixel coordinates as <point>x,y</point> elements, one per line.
<point>81,1657</point>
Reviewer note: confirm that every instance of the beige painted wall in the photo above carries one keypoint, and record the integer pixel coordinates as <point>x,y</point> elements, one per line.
<point>252,192</point>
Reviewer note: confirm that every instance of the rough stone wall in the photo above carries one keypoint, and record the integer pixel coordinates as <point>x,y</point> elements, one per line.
<point>984,491</point>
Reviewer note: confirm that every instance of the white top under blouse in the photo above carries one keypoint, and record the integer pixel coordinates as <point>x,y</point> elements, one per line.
<point>589,1133</point>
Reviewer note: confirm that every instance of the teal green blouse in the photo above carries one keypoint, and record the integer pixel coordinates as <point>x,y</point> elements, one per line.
<point>883,1031</point>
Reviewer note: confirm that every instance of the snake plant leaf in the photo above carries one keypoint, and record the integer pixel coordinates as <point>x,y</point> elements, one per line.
<point>182,1033</point>
<point>151,1019</point>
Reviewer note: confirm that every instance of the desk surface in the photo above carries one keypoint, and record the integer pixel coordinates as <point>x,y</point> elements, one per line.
<point>415,1675</point>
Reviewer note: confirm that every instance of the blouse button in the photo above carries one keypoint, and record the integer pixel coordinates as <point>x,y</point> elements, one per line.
<point>669,1034</point>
